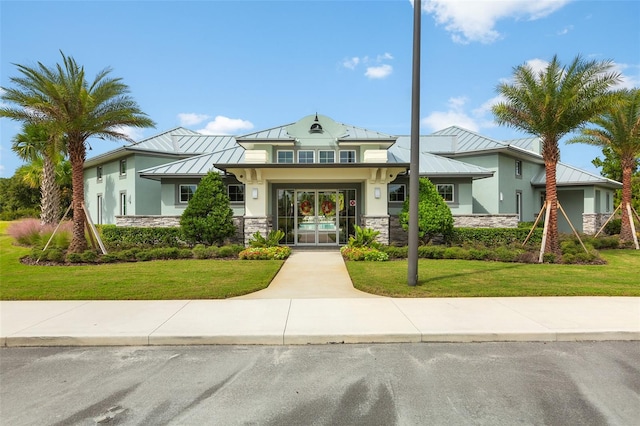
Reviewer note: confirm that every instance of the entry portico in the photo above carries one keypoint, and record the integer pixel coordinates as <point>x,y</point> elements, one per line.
<point>315,180</point>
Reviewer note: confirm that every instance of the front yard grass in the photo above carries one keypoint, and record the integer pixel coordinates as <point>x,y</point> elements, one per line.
<point>155,280</point>
<point>467,278</point>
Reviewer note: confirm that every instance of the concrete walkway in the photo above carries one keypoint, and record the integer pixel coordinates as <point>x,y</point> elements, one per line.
<point>312,301</point>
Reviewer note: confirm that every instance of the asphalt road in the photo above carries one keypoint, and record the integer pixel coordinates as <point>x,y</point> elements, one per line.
<point>589,383</point>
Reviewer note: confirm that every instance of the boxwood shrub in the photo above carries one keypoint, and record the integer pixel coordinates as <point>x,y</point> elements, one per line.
<point>116,237</point>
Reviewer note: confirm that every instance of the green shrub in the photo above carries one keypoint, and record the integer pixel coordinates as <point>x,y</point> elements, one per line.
<point>54,255</point>
<point>122,238</point>
<point>208,218</point>
<point>431,252</point>
<point>144,255</point>
<point>479,253</point>
<point>549,258</point>
<point>455,253</point>
<point>74,258</point>
<point>434,215</point>
<point>265,253</point>
<point>494,237</point>
<point>363,253</point>
<point>364,237</point>
<point>613,227</point>
<point>200,251</point>
<point>395,252</point>
<point>185,253</point>
<point>230,250</point>
<point>600,243</point>
<point>109,258</point>
<point>272,240</point>
<point>89,256</point>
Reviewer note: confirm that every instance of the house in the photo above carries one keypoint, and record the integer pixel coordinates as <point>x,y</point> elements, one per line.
<point>316,178</point>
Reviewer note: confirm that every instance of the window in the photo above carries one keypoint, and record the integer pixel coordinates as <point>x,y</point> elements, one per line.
<point>305,157</point>
<point>397,192</point>
<point>446,191</point>
<point>99,173</point>
<point>123,204</point>
<point>518,168</point>
<point>348,156</point>
<point>607,208</point>
<point>326,156</point>
<point>186,192</point>
<point>285,156</point>
<point>236,193</point>
<point>123,167</point>
<point>99,208</point>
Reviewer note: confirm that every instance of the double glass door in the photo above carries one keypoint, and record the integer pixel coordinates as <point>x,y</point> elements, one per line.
<point>316,217</point>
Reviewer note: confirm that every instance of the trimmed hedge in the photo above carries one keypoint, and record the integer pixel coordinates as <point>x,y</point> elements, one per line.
<point>115,237</point>
<point>494,237</point>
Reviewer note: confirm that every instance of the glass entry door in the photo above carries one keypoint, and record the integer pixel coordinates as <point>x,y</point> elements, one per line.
<point>317,217</point>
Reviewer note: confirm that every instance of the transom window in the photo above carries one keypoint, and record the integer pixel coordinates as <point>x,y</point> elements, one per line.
<point>186,192</point>
<point>236,193</point>
<point>326,156</point>
<point>446,191</point>
<point>348,156</point>
<point>397,192</point>
<point>306,156</point>
<point>285,156</point>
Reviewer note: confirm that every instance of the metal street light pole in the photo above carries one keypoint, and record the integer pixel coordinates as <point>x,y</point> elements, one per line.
<point>414,166</point>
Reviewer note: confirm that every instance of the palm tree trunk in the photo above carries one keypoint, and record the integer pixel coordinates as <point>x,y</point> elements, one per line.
<point>552,245</point>
<point>626,235</point>
<point>76,157</point>
<point>50,193</point>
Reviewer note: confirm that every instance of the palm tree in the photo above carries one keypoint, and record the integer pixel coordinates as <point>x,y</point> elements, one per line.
<point>61,99</point>
<point>618,128</point>
<point>43,151</point>
<point>549,104</point>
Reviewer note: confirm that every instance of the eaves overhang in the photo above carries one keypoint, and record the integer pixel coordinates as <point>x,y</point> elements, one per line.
<point>125,151</point>
<point>298,166</point>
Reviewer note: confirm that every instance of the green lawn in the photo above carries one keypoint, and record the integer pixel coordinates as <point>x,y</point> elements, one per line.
<point>155,280</point>
<point>463,278</point>
<point>219,279</point>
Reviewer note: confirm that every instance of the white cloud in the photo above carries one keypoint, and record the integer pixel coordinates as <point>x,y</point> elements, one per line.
<point>375,69</point>
<point>474,21</point>
<point>191,119</point>
<point>454,116</point>
<point>565,30</point>
<point>351,63</point>
<point>225,126</point>
<point>378,72</point>
<point>629,81</point>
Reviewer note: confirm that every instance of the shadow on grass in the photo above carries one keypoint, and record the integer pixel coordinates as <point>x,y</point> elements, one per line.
<point>442,277</point>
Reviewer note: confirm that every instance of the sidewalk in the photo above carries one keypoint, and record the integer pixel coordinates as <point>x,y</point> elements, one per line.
<point>311,302</point>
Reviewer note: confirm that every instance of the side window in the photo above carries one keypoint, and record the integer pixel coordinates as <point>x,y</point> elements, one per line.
<point>236,193</point>
<point>348,156</point>
<point>446,191</point>
<point>518,168</point>
<point>99,173</point>
<point>285,156</point>
<point>186,192</point>
<point>397,192</point>
<point>123,167</point>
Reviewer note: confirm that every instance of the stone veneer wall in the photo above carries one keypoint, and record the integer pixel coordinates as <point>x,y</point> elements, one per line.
<point>378,223</point>
<point>256,224</point>
<point>399,237</point>
<point>174,221</point>
<point>592,222</point>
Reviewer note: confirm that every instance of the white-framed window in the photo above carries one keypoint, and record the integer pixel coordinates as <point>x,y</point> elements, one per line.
<point>518,168</point>
<point>99,208</point>
<point>99,173</point>
<point>285,156</point>
<point>123,167</point>
<point>397,192</point>
<point>306,156</point>
<point>236,193</point>
<point>186,192</point>
<point>326,156</point>
<point>123,203</point>
<point>348,156</point>
<point>446,191</point>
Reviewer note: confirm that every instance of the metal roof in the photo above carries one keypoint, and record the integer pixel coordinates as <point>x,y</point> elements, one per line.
<point>195,166</point>
<point>353,133</point>
<point>567,175</point>
<point>434,165</point>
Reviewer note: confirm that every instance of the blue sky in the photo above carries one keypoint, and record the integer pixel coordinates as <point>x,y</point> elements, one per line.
<point>233,67</point>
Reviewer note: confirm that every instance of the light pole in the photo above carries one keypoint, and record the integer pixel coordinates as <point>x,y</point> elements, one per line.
<point>414,165</point>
